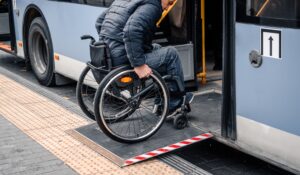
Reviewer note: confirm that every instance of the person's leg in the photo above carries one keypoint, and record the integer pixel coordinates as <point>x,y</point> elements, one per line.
<point>167,62</point>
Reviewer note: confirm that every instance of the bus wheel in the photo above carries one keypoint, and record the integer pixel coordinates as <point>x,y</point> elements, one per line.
<point>40,51</point>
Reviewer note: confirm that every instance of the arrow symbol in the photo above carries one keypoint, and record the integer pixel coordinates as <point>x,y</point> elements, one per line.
<point>271,45</point>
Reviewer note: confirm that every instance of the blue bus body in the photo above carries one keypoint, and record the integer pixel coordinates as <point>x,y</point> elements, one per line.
<point>66,22</point>
<point>267,99</point>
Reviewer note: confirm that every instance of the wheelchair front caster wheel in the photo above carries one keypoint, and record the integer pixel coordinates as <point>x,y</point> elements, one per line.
<point>180,121</point>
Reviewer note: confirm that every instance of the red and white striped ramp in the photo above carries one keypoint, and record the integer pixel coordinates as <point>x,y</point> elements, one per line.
<point>167,139</point>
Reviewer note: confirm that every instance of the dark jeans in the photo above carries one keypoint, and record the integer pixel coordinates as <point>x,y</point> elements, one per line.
<point>166,61</point>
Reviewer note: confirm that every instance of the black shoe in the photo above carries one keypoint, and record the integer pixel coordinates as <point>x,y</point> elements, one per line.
<point>189,99</point>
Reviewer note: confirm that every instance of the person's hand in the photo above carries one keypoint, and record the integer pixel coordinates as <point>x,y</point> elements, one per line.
<point>143,71</point>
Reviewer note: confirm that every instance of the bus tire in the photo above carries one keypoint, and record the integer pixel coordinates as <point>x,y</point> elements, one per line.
<point>40,51</point>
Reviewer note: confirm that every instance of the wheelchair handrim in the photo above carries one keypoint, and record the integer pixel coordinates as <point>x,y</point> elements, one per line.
<point>154,129</point>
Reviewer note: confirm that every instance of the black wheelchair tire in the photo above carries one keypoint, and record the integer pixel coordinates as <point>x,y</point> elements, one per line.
<point>89,113</point>
<point>40,50</point>
<point>99,120</point>
<point>79,97</point>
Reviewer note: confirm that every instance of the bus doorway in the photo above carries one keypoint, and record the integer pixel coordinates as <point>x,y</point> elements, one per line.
<point>208,38</point>
<point>7,38</point>
<point>199,24</point>
<point>209,35</point>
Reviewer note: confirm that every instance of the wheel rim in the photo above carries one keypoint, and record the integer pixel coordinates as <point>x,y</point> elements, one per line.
<point>137,119</point>
<point>40,53</point>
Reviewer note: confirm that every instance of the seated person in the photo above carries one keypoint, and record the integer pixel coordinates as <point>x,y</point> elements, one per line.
<point>127,27</point>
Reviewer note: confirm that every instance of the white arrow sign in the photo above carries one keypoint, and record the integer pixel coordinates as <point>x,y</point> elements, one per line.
<point>271,43</point>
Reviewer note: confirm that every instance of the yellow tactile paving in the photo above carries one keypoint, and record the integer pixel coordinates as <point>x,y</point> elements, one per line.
<point>47,122</point>
<point>45,109</point>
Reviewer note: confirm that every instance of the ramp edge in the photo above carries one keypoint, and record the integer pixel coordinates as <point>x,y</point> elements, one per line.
<point>167,149</point>
<point>95,147</point>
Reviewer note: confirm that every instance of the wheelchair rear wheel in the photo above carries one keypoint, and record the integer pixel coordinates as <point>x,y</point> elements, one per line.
<point>85,92</point>
<point>129,109</point>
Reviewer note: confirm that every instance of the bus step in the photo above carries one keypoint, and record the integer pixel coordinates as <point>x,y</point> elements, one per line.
<point>166,140</point>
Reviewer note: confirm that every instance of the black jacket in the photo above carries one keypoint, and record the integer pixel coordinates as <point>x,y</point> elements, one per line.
<point>131,24</point>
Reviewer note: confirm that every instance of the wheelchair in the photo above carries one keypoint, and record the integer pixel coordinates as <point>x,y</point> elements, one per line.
<point>126,108</point>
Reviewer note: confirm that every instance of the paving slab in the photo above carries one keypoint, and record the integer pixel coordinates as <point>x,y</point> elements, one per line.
<point>19,154</point>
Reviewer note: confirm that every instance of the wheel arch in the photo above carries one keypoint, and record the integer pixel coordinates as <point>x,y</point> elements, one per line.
<point>32,11</point>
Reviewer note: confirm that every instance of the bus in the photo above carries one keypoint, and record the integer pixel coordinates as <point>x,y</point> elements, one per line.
<point>252,44</point>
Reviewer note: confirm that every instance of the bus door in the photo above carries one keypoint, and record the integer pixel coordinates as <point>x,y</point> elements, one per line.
<point>267,73</point>
<point>7,41</point>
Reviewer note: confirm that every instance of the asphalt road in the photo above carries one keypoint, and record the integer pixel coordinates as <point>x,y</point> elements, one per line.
<point>209,155</point>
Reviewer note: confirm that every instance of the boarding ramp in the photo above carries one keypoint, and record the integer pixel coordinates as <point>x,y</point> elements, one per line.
<point>166,140</point>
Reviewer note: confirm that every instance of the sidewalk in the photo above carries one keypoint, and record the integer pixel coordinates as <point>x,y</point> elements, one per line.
<point>19,154</point>
<point>46,123</point>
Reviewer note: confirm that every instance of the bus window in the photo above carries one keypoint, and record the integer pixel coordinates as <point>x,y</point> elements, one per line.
<point>102,3</point>
<point>285,13</point>
<point>278,9</point>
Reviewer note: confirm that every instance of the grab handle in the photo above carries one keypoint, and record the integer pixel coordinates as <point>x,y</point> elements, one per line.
<point>255,59</point>
<point>84,37</point>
